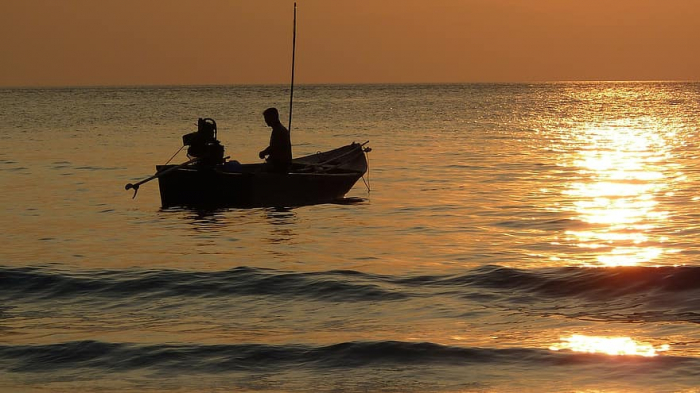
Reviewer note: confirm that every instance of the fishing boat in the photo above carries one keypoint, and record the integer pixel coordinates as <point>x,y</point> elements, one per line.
<point>317,178</point>
<point>209,179</point>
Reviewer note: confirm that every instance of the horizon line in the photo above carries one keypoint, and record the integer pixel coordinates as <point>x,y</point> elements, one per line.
<point>166,85</point>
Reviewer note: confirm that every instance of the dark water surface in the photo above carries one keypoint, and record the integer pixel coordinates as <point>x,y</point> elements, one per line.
<point>516,238</point>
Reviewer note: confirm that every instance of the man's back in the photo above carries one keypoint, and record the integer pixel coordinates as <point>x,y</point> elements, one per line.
<point>280,145</point>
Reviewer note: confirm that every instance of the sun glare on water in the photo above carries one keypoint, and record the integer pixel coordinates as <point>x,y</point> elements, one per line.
<point>620,176</point>
<point>615,346</point>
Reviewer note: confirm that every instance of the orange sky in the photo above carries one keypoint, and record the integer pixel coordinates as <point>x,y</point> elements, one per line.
<point>147,42</point>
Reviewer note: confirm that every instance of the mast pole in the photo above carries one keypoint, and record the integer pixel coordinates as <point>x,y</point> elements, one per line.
<point>294,44</point>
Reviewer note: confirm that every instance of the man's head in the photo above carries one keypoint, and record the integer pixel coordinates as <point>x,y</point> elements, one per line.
<point>272,117</point>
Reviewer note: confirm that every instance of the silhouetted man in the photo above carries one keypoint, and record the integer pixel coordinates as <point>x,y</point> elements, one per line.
<point>279,153</point>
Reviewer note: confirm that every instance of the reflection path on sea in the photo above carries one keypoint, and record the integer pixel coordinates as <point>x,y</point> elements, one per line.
<point>621,171</point>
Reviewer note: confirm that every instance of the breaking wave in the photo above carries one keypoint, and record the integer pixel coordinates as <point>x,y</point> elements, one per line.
<point>622,293</point>
<point>122,357</point>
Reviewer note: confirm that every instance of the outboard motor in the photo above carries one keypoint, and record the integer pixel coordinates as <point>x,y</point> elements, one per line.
<point>203,144</point>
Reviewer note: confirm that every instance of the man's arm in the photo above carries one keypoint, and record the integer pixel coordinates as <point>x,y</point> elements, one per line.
<point>264,153</point>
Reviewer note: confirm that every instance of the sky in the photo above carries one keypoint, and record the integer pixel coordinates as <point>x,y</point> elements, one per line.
<point>195,42</point>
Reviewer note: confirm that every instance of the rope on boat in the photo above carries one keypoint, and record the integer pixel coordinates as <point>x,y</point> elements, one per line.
<point>366,150</point>
<point>176,153</point>
<point>336,158</point>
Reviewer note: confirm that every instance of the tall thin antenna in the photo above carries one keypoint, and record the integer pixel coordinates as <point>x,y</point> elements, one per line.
<point>294,46</point>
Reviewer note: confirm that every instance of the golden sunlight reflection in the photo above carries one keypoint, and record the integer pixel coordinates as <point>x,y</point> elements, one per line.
<point>619,346</point>
<point>620,175</point>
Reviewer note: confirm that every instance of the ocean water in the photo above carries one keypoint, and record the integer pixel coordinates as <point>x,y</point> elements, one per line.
<point>508,237</point>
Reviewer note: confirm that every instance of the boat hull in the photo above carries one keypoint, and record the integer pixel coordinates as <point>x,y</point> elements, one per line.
<point>319,178</point>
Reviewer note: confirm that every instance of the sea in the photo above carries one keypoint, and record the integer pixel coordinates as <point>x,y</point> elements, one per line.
<point>521,237</point>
